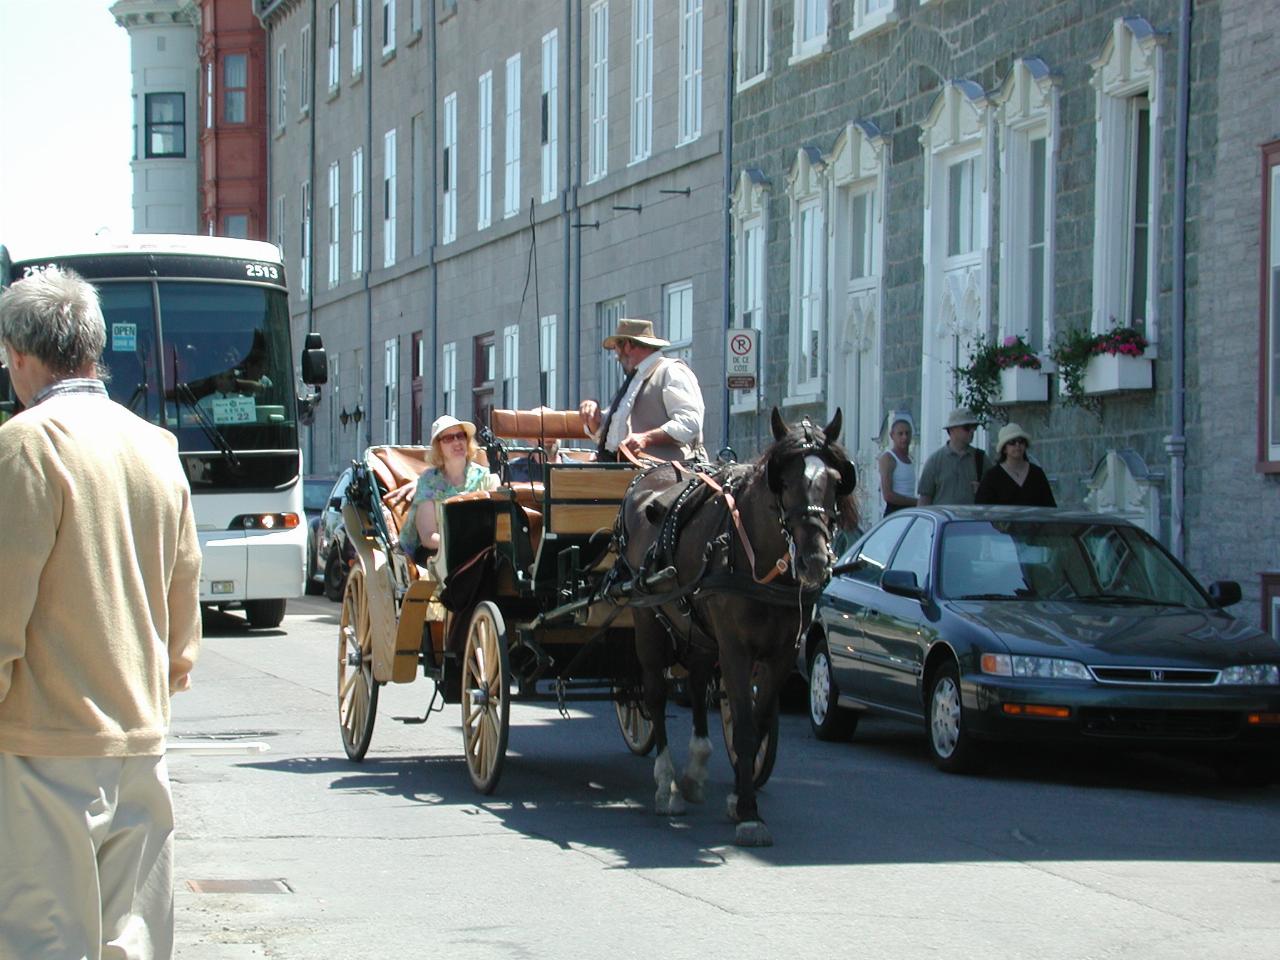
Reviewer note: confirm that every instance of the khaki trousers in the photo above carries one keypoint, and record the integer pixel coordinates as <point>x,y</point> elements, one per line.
<point>86,858</point>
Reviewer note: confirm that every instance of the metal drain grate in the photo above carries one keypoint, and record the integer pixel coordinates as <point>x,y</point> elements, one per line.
<point>238,886</point>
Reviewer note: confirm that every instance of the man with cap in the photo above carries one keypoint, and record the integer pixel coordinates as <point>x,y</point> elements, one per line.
<point>953,471</point>
<point>658,408</point>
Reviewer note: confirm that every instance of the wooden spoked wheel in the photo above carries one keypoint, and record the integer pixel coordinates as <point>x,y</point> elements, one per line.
<point>637,728</point>
<point>357,690</point>
<point>486,696</point>
<point>766,753</point>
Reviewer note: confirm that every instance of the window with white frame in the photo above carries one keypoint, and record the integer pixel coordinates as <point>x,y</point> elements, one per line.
<point>484,153</point>
<point>208,94</point>
<point>449,172</point>
<point>753,40</point>
<point>388,26</point>
<point>1026,118</point>
<point>550,115</point>
<point>418,184</point>
<point>598,93</point>
<point>335,202</point>
<point>357,211</point>
<point>1127,185</point>
<point>304,72</point>
<point>357,36</point>
<point>608,313</point>
<point>956,136</point>
<point>415,17</point>
<point>304,239</point>
<point>809,35</point>
<point>641,79</point>
<point>335,31</point>
<point>1269,382</point>
<point>389,199</point>
<point>511,184</point>
<point>749,205</point>
<point>690,70</point>
<point>677,302</point>
<point>280,210</point>
<point>807,335</point>
<point>547,360</point>
<point>282,87</point>
<point>511,367</point>
<point>391,390</point>
<point>335,398</point>
<point>870,16</point>
<point>855,289</point>
<point>449,379</point>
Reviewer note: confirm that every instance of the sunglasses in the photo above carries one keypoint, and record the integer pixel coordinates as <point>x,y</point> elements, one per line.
<point>1020,441</point>
<point>451,437</point>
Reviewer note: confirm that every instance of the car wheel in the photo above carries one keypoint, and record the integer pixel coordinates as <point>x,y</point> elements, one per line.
<point>335,575</point>
<point>827,718</point>
<point>950,744</point>
<point>264,613</point>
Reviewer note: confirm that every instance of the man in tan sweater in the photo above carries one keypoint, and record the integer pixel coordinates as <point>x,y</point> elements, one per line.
<point>99,624</point>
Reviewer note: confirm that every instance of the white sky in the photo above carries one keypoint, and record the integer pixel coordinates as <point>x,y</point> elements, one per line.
<point>66,119</point>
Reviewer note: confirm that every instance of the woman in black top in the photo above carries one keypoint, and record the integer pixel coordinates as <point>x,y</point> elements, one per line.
<point>1014,481</point>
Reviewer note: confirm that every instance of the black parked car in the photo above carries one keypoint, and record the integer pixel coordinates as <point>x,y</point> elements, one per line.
<point>1005,623</point>
<point>333,553</point>
<point>315,497</point>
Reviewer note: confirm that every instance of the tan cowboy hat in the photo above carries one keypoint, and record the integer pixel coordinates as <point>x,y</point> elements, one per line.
<point>1009,432</point>
<point>641,331</point>
<point>961,418</point>
<point>443,423</point>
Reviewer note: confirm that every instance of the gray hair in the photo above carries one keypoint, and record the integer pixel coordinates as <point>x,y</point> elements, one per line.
<point>55,316</point>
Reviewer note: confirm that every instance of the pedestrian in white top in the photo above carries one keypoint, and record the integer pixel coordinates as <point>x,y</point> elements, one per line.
<point>897,471</point>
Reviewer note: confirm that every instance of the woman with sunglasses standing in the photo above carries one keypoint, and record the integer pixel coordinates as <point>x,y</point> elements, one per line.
<point>455,467</point>
<point>1014,481</point>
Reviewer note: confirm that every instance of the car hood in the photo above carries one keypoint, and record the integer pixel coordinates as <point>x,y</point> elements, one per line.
<point>1107,633</point>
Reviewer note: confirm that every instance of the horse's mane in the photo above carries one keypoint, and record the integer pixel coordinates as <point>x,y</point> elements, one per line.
<point>807,437</point>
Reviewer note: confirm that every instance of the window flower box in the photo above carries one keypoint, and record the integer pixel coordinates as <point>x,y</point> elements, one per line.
<point>1115,372</point>
<point>1023,385</point>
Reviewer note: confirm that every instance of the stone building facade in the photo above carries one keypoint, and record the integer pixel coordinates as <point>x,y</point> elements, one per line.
<point>912,179</point>
<point>466,200</point>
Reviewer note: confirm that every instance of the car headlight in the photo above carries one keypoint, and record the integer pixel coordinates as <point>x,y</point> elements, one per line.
<point>1040,668</point>
<point>1252,675</point>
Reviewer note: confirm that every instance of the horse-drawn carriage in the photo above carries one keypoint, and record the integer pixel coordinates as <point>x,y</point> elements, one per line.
<point>527,599</point>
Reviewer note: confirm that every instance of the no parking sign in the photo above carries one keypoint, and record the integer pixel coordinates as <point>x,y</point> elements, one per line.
<point>740,359</point>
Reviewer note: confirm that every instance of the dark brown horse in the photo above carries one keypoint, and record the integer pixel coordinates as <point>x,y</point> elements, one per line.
<point>708,589</point>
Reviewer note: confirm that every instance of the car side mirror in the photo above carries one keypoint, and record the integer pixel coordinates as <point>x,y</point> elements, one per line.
<point>1224,593</point>
<point>901,583</point>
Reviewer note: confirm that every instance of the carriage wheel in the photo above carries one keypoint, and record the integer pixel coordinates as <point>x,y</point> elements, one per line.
<point>357,690</point>
<point>766,754</point>
<point>486,698</point>
<point>637,728</point>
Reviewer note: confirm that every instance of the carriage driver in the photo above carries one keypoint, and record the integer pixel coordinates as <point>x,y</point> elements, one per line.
<point>658,408</point>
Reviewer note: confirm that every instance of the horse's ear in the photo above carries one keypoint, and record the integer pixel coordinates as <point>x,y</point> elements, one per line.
<point>832,429</point>
<point>848,477</point>
<point>779,427</point>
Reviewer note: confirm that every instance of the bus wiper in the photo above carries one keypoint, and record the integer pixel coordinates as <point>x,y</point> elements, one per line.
<point>210,429</point>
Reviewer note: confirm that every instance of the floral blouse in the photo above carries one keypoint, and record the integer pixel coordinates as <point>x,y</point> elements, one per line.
<point>432,485</point>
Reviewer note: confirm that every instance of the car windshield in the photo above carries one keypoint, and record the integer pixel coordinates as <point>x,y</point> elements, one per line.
<point>315,494</point>
<point>1061,560</point>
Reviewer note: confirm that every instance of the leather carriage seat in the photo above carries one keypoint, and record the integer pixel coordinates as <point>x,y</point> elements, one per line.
<point>537,424</point>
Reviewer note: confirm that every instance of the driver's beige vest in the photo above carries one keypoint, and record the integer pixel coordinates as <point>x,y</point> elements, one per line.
<point>649,411</point>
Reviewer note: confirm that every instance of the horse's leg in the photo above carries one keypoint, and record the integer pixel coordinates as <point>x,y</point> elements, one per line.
<point>694,782</point>
<point>735,672</point>
<point>651,648</point>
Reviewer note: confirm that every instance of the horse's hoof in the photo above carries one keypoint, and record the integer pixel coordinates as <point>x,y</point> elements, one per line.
<point>731,806</point>
<point>693,790</point>
<point>752,833</point>
<point>669,804</point>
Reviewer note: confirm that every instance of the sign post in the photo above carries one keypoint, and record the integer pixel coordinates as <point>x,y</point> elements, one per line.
<point>741,359</point>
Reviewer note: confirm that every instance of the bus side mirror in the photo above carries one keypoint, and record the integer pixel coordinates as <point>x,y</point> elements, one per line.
<point>315,363</point>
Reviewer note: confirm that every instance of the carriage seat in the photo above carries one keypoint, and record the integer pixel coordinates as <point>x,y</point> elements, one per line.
<point>540,423</point>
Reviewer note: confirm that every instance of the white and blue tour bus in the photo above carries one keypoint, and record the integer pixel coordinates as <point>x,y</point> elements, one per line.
<point>198,342</point>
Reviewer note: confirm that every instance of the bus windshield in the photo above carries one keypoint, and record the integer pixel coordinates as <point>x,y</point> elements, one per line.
<point>213,366</point>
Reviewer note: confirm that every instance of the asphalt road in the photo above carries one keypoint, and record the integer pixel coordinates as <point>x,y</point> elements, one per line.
<point>298,853</point>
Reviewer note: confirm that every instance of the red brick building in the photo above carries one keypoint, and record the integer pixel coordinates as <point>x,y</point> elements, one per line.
<point>233,120</point>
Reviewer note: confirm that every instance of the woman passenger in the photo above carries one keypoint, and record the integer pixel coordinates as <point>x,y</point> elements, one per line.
<point>454,468</point>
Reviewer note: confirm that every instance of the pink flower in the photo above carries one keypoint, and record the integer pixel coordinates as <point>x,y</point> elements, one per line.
<point>1011,341</point>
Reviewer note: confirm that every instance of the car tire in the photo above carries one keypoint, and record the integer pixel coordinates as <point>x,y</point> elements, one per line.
<point>335,575</point>
<point>264,614</point>
<point>827,719</point>
<point>314,587</point>
<point>952,747</point>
